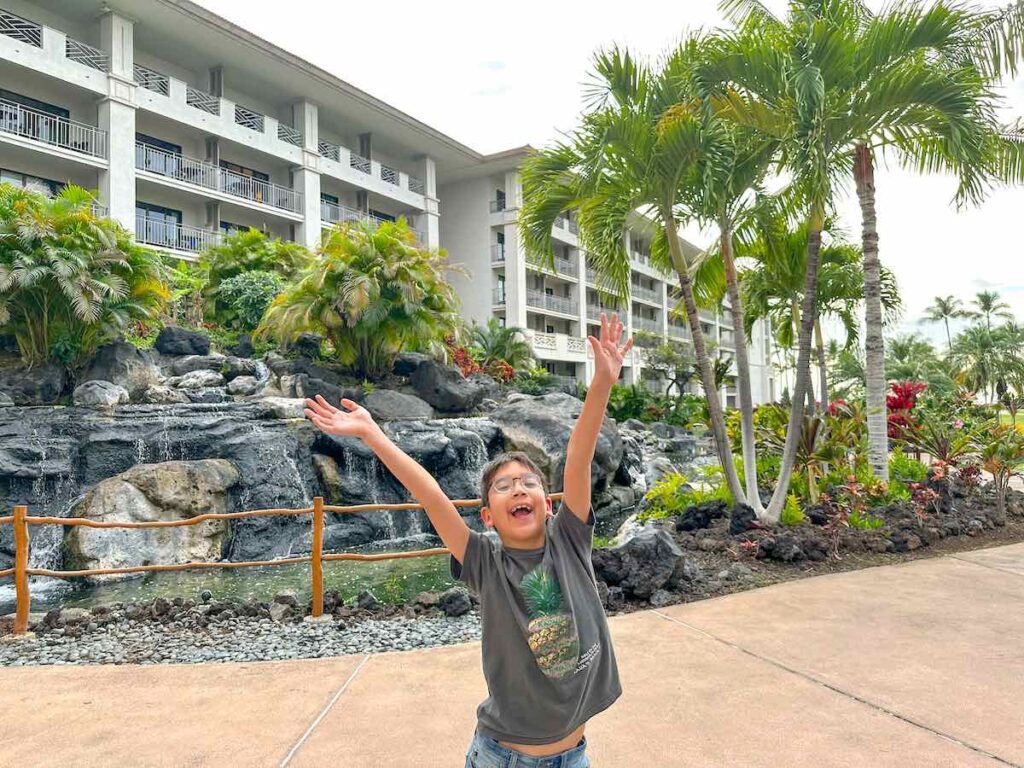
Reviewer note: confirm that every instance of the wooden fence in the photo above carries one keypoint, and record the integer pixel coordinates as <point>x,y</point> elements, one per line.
<point>21,521</point>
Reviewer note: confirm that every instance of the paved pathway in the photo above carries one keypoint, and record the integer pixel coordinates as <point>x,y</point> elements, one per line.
<point>914,665</point>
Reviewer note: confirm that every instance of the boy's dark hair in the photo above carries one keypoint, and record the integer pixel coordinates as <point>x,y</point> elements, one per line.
<point>491,468</point>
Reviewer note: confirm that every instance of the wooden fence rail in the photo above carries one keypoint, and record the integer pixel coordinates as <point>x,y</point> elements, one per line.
<point>317,557</point>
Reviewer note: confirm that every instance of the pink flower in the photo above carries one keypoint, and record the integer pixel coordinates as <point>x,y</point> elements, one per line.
<point>958,424</point>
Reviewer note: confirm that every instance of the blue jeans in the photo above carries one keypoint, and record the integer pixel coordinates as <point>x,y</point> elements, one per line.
<point>485,752</point>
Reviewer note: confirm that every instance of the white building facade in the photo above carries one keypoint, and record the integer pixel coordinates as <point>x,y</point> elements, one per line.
<point>189,127</point>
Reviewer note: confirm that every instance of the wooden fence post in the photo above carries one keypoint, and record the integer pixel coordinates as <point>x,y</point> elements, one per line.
<point>21,539</point>
<point>316,561</point>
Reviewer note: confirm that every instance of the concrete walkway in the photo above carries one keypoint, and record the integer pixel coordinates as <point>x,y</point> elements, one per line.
<point>913,665</point>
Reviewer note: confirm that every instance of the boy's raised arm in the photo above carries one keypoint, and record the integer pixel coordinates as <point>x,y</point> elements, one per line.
<point>357,422</point>
<point>579,454</point>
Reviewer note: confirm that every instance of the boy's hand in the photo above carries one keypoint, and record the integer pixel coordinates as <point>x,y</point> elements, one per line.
<point>608,356</point>
<point>356,422</point>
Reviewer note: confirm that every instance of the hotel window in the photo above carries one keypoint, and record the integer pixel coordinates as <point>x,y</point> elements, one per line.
<point>157,225</point>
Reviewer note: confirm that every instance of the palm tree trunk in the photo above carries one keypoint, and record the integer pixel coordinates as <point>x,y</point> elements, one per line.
<point>707,375</point>
<point>803,366</point>
<point>746,398</point>
<point>822,370</point>
<point>949,341</point>
<point>874,345</point>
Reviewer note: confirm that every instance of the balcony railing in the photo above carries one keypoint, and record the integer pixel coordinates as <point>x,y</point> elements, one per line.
<point>638,292</point>
<point>87,55</point>
<point>176,236</point>
<point>417,186</point>
<point>561,222</point>
<point>360,163</point>
<point>498,296</point>
<point>543,300</point>
<point>210,176</point>
<point>332,213</point>
<point>498,252</point>
<point>389,175</point>
<point>594,311</point>
<point>647,324</point>
<point>289,134</point>
<point>497,206</point>
<point>678,332</point>
<point>562,266</point>
<point>573,226</point>
<point>202,100</point>
<point>20,29</point>
<point>328,150</point>
<point>57,131</point>
<point>152,80</point>
<point>248,118</point>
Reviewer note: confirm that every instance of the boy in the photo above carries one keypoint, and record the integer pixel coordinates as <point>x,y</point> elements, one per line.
<point>547,655</point>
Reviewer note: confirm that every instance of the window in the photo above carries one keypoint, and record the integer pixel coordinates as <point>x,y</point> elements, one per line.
<point>157,225</point>
<point>241,170</point>
<point>229,227</point>
<point>39,106</point>
<point>549,291</point>
<point>32,183</point>
<point>383,216</point>
<point>34,127</point>
<point>499,196</point>
<point>157,155</point>
<point>332,199</point>
<point>550,329</point>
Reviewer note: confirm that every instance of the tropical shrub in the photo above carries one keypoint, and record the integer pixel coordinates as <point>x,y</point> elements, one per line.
<point>532,381</point>
<point>900,403</point>
<point>1002,457</point>
<point>494,344</point>
<point>673,494</point>
<point>245,297</point>
<point>70,280</point>
<point>372,293</point>
<point>906,469</point>
<point>792,514</point>
<point>240,253</point>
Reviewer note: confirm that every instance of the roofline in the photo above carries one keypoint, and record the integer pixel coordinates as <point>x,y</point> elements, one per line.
<point>265,47</point>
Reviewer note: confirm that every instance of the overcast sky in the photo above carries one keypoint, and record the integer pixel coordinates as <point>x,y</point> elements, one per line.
<point>499,75</point>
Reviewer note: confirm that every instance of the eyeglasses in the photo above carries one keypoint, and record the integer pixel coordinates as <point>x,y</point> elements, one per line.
<point>530,481</point>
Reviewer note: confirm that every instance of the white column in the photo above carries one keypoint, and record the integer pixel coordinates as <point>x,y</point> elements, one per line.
<point>306,177</point>
<point>432,210</point>
<point>117,117</point>
<point>581,270</point>
<point>515,278</point>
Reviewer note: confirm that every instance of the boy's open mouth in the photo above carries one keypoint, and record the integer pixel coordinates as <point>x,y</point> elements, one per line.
<point>521,510</point>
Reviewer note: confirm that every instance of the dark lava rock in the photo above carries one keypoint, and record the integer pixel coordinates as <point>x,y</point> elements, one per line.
<point>173,340</point>
<point>455,601</point>
<point>742,519</point>
<point>122,363</point>
<point>407,362</point>
<point>366,600</point>
<point>700,515</point>
<point>445,388</point>
<point>243,348</point>
<point>639,566</point>
<point>784,548</point>
<point>39,385</point>
<point>308,345</point>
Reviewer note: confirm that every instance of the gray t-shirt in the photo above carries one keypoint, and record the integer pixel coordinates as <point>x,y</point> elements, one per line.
<point>547,654</point>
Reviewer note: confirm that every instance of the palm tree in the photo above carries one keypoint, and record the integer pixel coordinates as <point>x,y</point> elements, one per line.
<point>988,306</point>
<point>988,360</point>
<point>372,293</point>
<point>910,357</point>
<point>499,342</point>
<point>70,280</point>
<point>915,82</point>
<point>942,310</point>
<point>622,159</point>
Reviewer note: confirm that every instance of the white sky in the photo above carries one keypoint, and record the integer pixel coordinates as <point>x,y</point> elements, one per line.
<point>499,75</point>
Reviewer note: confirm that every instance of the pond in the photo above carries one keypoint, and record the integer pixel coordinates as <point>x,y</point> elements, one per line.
<point>391,581</point>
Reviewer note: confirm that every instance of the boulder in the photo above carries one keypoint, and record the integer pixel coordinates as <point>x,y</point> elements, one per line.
<point>233,367</point>
<point>207,395</point>
<point>5,400</point>
<point>407,362</point>
<point>388,405</point>
<point>284,407</point>
<point>701,515</point>
<point>455,601</point>
<point>490,387</point>
<point>173,490</point>
<point>173,340</point>
<point>308,345</point>
<point>244,346</point>
<point>445,388</point>
<point>641,565</point>
<point>122,363</point>
<point>189,363</point>
<point>307,386</point>
<point>200,379</point>
<point>243,385</point>
<point>39,385</point>
<point>99,394</point>
<point>742,519</point>
<point>541,426</point>
<point>163,395</point>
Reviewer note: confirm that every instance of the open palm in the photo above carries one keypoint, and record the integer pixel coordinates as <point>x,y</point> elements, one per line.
<point>356,422</point>
<point>608,356</point>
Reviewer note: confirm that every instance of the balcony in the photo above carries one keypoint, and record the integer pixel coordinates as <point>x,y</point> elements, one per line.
<point>645,294</point>
<point>289,134</point>
<point>332,213</point>
<point>22,30</point>
<point>152,80</point>
<point>87,55</point>
<point>678,332</point>
<point>594,312</point>
<point>647,324</point>
<point>176,237</point>
<point>498,252</point>
<point>202,100</point>
<point>558,346</point>
<point>210,177</point>
<point>54,131</point>
<point>562,266</point>
<point>248,118</point>
<point>498,296</point>
<point>541,300</point>
<point>497,206</point>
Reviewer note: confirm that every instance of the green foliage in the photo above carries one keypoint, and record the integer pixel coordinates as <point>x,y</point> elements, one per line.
<point>630,402</point>
<point>372,293</point>
<point>245,297</point>
<point>792,514</point>
<point>673,494</point>
<point>70,280</point>
<point>602,541</point>
<point>532,381</point>
<point>906,469</point>
<point>493,343</point>
<point>864,521</point>
<point>239,253</point>
<point>186,281</point>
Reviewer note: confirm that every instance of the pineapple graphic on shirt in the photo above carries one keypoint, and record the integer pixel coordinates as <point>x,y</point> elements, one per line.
<point>553,637</point>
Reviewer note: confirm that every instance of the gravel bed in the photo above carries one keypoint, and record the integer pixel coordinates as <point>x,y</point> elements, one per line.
<point>239,639</point>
